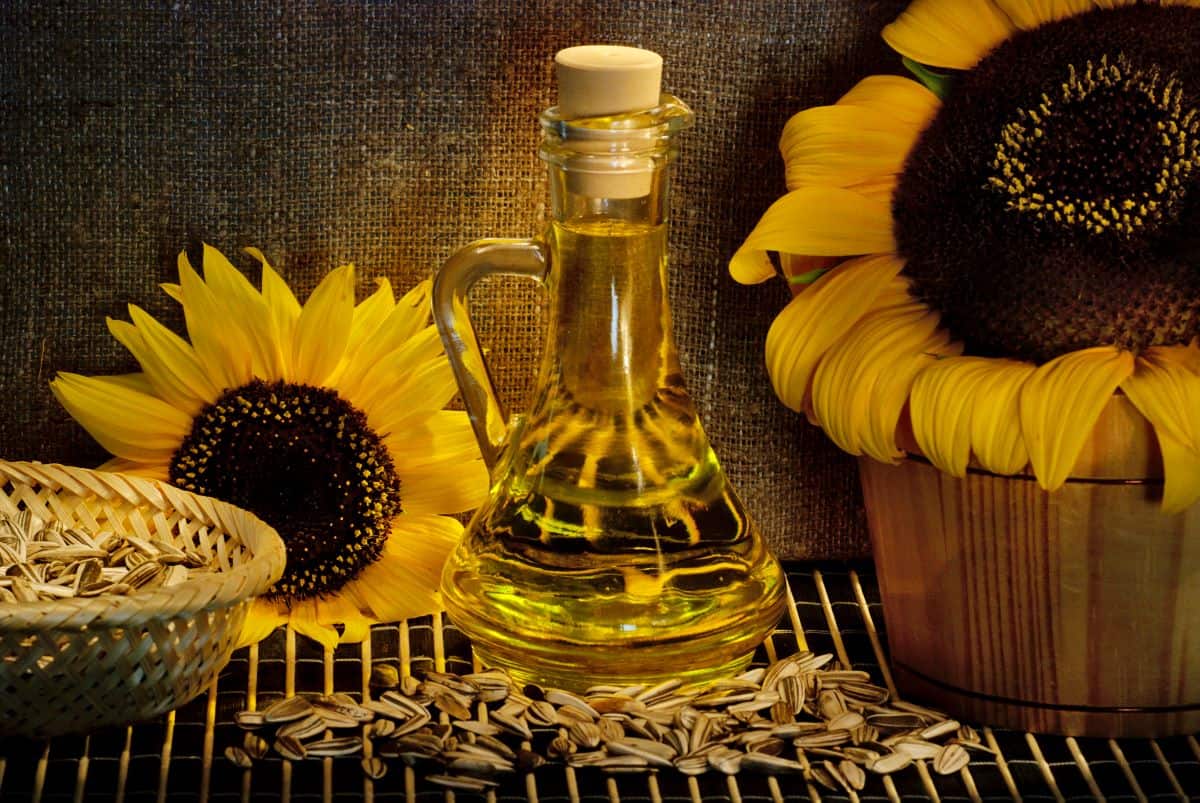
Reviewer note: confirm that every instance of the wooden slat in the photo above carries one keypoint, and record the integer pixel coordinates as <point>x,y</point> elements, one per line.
<point>1119,755</point>
<point>1044,766</point>
<point>1085,769</point>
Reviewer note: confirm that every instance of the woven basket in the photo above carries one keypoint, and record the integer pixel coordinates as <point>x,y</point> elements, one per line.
<point>72,665</point>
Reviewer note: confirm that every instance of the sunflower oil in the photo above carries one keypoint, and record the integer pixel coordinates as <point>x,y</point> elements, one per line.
<point>612,549</point>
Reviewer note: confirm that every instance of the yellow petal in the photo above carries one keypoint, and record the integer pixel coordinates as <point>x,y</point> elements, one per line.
<point>1166,390</point>
<point>368,317</point>
<point>304,618</point>
<point>1181,467</point>
<point>447,486</point>
<point>816,318</point>
<point>414,379</point>
<point>161,376</point>
<point>261,620</point>
<point>128,423</point>
<point>941,404</point>
<point>323,328</point>
<point>409,316</point>
<point>222,348</point>
<point>339,609</point>
<point>814,221</point>
<point>1029,14</point>
<point>948,33</point>
<point>150,471</point>
<point>837,146</point>
<point>174,355</point>
<point>246,310</point>
<point>442,435</point>
<point>892,97</point>
<point>860,386</point>
<point>1060,403</point>
<point>403,583</point>
<point>996,437</point>
<point>283,310</point>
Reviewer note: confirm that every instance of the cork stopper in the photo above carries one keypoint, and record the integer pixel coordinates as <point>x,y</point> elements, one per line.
<point>604,81</point>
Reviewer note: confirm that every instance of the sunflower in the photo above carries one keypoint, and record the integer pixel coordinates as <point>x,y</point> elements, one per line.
<point>995,251</point>
<point>325,419</point>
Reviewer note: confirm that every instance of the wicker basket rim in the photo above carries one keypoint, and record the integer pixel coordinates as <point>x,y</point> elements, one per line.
<point>202,593</point>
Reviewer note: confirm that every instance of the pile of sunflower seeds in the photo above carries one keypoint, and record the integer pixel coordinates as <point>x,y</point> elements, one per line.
<point>40,561</point>
<point>830,725</point>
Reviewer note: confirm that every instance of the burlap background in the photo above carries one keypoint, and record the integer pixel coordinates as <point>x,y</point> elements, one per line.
<point>388,134</point>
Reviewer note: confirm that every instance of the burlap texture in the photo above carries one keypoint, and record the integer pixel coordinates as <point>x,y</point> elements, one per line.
<point>387,135</point>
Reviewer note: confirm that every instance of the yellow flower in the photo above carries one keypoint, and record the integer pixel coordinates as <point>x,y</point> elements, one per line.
<point>1000,248</point>
<point>325,419</point>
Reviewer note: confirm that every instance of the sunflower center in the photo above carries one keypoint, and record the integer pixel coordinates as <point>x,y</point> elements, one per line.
<point>1113,151</point>
<point>305,461</point>
<point>1051,205</point>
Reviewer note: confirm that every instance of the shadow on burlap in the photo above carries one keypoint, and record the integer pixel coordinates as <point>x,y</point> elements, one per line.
<point>387,135</point>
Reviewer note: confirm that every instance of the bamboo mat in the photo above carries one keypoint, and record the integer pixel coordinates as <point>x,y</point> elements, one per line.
<point>834,608</point>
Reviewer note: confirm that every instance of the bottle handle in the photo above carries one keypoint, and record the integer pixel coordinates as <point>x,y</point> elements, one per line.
<point>451,285</point>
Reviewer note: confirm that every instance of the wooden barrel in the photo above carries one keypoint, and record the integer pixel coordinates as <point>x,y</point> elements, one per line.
<point>1076,612</point>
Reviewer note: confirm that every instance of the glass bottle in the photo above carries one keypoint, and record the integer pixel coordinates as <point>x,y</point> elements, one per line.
<point>612,549</point>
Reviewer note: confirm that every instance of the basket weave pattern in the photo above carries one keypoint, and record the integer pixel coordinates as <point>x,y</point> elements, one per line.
<point>72,665</point>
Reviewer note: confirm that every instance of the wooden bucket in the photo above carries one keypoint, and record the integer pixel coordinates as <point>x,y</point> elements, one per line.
<point>1076,612</point>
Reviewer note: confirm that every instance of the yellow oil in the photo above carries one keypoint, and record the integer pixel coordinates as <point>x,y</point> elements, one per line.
<point>612,548</point>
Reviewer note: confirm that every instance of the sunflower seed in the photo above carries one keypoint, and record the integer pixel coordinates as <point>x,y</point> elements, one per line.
<point>340,746</point>
<point>890,763</point>
<point>238,757</point>
<point>287,710</point>
<point>255,745</point>
<point>853,774</point>
<point>344,710</point>
<point>940,729</point>
<point>249,719</point>
<point>289,748</point>
<point>585,734</point>
<point>306,728</point>
<point>461,783</point>
<point>950,759</point>
<point>477,727</point>
<point>566,699</point>
<point>374,767</point>
<point>919,749</point>
<point>726,760</point>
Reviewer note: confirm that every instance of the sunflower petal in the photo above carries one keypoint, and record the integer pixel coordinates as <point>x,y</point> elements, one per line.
<point>1060,403</point>
<point>1181,467</point>
<point>223,349</point>
<point>996,437</point>
<point>323,328</point>
<point>150,471</point>
<point>414,379</point>
<point>948,33</point>
<point>402,583</point>
<point>447,486</point>
<point>174,355</point>
<point>814,221</point>
<point>409,316</point>
<point>1030,14</point>
<point>837,146</point>
<point>941,406</point>
<point>368,317</point>
<point>894,98</point>
<point>283,310</point>
<point>861,385</point>
<point>815,319</point>
<point>261,620</point>
<point>246,310</point>
<point>128,423</point>
<point>304,618</point>
<point>1166,390</point>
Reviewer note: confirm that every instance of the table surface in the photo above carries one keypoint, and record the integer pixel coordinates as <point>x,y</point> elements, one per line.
<point>834,607</point>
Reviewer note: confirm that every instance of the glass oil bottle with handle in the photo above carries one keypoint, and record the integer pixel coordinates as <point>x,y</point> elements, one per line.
<point>612,549</point>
